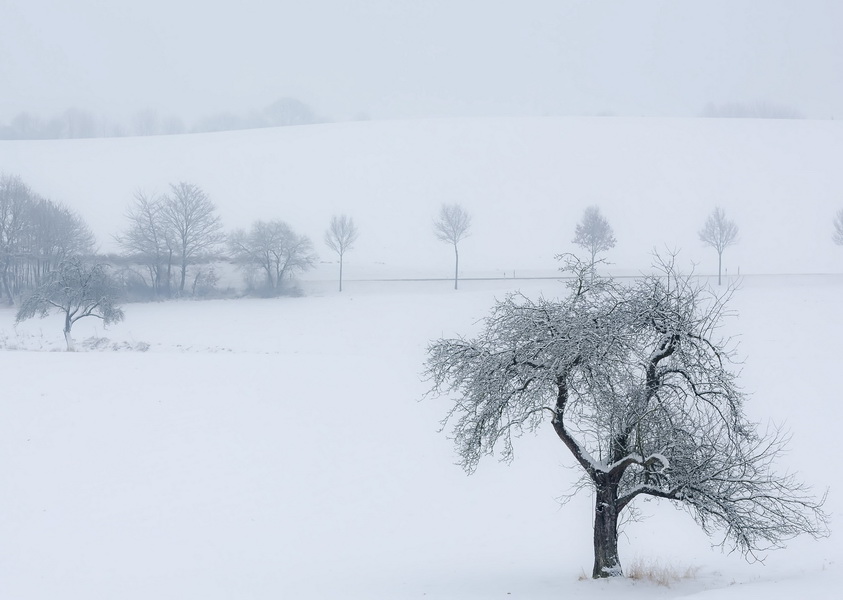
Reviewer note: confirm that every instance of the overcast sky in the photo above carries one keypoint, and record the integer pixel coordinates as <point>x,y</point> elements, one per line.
<point>405,58</point>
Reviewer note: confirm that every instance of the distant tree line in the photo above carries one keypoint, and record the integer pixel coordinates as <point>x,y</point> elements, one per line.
<point>168,248</point>
<point>173,243</point>
<point>752,110</point>
<point>79,123</point>
<point>36,235</point>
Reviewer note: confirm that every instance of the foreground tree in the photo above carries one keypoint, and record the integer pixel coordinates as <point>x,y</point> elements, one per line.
<point>637,385</point>
<point>195,226</point>
<point>451,226</point>
<point>275,249</point>
<point>340,237</point>
<point>719,233</point>
<point>77,290</point>
<point>594,233</point>
<point>837,236</point>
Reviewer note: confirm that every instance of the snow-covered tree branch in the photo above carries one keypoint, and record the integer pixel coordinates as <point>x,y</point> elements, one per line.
<point>640,386</point>
<point>77,290</point>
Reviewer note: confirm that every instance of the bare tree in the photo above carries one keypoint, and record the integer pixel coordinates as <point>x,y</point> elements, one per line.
<point>340,237</point>
<point>837,236</point>
<point>641,390</point>
<point>195,226</point>
<point>15,198</point>
<point>451,226</point>
<point>274,248</point>
<point>78,291</point>
<point>594,233</point>
<point>719,233</point>
<point>150,241</point>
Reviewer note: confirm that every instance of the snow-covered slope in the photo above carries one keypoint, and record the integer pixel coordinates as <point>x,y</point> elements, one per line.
<point>277,448</point>
<point>525,181</point>
<point>265,449</point>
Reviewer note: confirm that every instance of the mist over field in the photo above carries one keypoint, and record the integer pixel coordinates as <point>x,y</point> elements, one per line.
<point>257,431</point>
<point>525,182</point>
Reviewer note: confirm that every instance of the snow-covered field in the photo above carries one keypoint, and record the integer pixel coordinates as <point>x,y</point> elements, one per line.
<point>252,449</point>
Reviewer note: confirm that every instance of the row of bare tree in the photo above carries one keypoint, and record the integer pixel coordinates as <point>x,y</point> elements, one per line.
<point>165,248</point>
<point>168,233</point>
<point>80,123</point>
<point>594,234</point>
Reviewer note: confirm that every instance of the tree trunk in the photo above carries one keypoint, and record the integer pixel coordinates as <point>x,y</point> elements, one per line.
<point>170,274</point>
<point>606,560</point>
<point>340,272</point>
<point>719,267</point>
<point>67,337</point>
<point>456,266</point>
<point>183,276</point>
<point>7,288</point>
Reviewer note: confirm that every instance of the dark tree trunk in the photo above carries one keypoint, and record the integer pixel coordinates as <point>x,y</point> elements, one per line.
<point>606,560</point>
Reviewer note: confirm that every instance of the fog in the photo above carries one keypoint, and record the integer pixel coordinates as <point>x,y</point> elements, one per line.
<point>407,59</point>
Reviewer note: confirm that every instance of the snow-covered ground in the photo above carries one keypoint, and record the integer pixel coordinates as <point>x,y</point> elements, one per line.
<point>280,448</point>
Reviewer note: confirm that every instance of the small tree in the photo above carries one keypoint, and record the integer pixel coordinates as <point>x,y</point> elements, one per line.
<point>837,236</point>
<point>719,233</point>
<point>340,237</point>
<point>451,226</point>
<point>78,291</point>
<point>637,385</point>
<point>195,226</point>
<point>594,233</point>
<point>274,248</point>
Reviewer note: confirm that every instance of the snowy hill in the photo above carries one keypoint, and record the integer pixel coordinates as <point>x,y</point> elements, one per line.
<point>277,447</point>
<point>265,449</point>
<point>525,181</point>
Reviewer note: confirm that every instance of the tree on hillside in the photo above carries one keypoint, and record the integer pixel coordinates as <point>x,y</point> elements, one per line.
<point>54,234</point>
<point>451,226</point>
<point>150,241</point>
<point>641,389</point>
<point>837,236</point>
<point>195,226</point>
<point>719,233</point>
<point>275,249</point>
<point>77,290</point>
<point>36,235</point>
<point>340,237</point>
<point>594,233</point>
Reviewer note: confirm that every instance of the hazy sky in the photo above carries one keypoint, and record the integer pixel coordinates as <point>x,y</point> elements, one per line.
<point>404,58</point>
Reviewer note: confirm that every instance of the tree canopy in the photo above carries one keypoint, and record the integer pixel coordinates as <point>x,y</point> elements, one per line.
<point>641,388</point>
<point>594,233</point>
<point>78,290</point>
